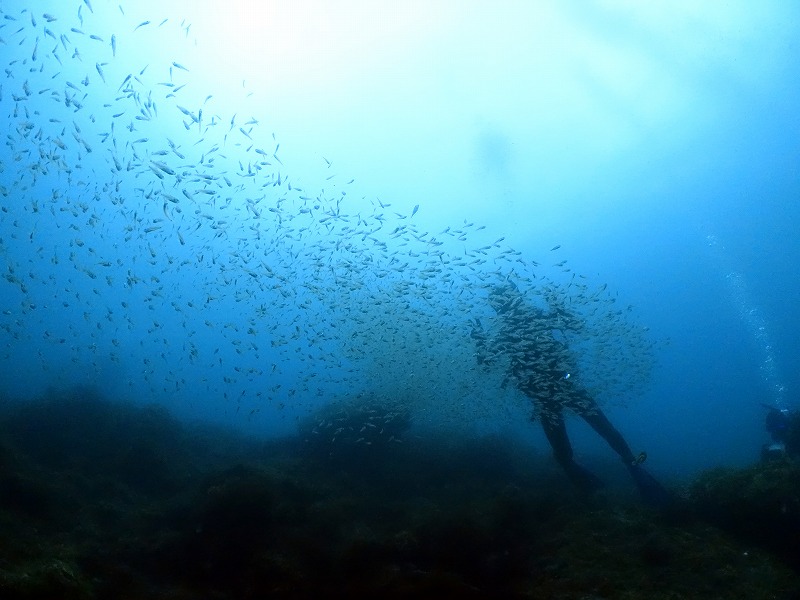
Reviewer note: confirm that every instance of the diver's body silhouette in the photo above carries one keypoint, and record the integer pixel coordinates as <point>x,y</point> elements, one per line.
<point>541,366</point>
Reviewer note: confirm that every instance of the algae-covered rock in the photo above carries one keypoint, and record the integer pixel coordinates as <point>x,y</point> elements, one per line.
<point>761,503</point>
<point>47,578</point>
<point>361,426</point>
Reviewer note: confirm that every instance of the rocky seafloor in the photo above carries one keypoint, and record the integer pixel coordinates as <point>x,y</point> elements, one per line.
<point>102,500</point>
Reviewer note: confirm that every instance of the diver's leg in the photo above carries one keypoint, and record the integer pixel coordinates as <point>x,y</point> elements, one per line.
<point>597,420</point>
<point>651,490</point>
<point>556,432</point>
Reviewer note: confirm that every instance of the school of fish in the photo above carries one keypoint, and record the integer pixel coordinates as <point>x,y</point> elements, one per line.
<point>143,233</point>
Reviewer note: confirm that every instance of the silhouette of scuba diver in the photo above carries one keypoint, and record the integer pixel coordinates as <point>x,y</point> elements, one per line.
<point>783,426</point>
<point>540,364</point>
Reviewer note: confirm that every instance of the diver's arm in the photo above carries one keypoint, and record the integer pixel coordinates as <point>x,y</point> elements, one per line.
<point>564,319</point>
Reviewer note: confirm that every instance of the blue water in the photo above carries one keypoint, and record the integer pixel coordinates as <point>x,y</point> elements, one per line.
<point>244,213</point>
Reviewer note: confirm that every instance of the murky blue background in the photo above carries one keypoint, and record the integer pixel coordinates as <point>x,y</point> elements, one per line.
<point>656,144</point>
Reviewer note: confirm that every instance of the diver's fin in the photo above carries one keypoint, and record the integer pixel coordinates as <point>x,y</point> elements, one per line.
<point>583,478</point>
<point>653,493</point>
